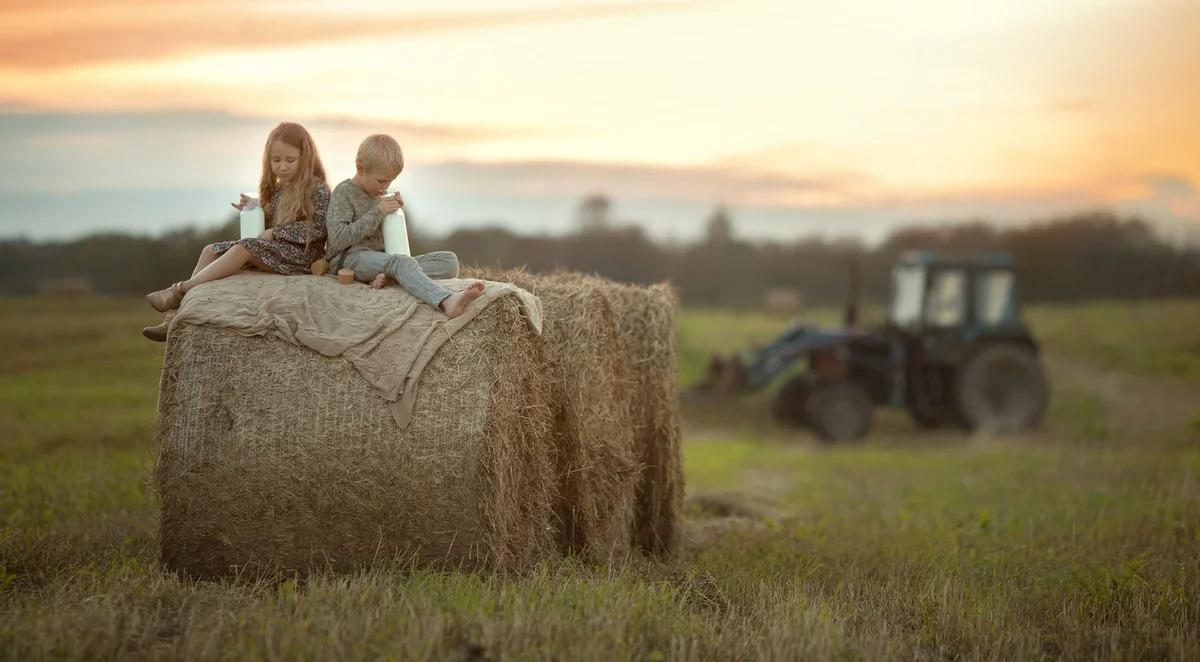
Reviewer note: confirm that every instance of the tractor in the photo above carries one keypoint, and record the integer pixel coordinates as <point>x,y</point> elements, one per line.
<point>953,352</point>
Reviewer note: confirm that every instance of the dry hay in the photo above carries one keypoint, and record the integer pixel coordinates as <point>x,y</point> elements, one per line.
<point>645,328</point>
<point>598,467</point>
<point>272,457</point>
<point>716,517</point>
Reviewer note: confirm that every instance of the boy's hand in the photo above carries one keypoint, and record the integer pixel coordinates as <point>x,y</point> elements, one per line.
<point>390,203</point>
<point>266,234</point>
<point>241,203</point>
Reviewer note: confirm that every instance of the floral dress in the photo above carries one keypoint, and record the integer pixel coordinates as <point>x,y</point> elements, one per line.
<point>292,250</point>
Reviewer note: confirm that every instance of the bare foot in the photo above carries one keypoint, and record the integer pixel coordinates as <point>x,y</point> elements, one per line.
<point>456,303</point>
<point>379,282</point>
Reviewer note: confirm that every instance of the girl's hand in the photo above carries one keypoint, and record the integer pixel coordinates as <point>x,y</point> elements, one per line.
<point>390,203</point>
<point>267,234</point>
<point>241,203</point>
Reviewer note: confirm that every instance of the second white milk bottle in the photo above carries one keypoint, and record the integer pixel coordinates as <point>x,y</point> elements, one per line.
<point>395,233</point>
<point>253,221</point>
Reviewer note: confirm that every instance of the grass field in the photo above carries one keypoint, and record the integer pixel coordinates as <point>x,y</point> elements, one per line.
<point>1081,540</point>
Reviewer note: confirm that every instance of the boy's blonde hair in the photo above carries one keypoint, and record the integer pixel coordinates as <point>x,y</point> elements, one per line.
<point>380,152</point>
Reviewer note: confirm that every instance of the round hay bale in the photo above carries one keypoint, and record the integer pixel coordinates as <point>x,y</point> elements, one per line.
<point>598,468</point>
<point>273,457</point>
<point>645,332</point>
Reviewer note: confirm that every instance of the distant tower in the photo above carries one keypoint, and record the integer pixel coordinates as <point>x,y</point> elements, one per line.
<point>593,213</point>
<point>719,229</point>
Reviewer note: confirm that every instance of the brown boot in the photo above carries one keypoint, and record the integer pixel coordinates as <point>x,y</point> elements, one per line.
<point>164,300</point>
<point>158,332</point>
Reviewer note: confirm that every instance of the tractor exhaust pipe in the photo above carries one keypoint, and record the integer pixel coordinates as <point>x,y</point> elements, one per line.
<point>850,316</point>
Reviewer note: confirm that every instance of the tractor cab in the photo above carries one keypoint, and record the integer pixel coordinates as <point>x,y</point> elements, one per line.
<point>948,304</point>
<point>932,293</point>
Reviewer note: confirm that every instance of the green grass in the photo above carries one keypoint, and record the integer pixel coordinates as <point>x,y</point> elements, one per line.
<point>1078,541</point>
<point>1160,338</point>
<point>705,332</point>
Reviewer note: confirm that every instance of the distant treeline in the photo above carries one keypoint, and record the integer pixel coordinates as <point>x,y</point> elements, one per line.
<point>1088,256</point>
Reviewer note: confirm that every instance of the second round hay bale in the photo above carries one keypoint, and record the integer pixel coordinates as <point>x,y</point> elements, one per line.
<point>646,329</point>
<point>271,456</point>
<point>598,467</point>
<point>645,332</point>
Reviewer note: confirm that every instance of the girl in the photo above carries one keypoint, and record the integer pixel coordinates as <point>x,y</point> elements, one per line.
<point>294,197</point>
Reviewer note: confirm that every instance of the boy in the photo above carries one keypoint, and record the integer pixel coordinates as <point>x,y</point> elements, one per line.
<point>355,222</point>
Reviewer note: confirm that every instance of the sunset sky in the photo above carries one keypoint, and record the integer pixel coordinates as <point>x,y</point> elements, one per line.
<point>845,118</point>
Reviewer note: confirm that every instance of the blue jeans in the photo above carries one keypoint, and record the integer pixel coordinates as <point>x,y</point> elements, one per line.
<point>414,274</point>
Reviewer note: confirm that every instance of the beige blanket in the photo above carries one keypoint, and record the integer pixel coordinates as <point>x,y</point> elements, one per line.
<point>388,335</point>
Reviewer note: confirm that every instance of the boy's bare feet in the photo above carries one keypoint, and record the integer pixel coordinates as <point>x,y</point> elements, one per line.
<point>456,303</point>
<point>379,282</point>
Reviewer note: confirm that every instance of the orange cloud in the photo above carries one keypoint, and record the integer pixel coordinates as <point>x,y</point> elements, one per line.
<point>37,36</point>
<point>709,183</point>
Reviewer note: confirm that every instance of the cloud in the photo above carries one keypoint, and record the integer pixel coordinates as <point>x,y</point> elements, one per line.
<point>57,151</point>
<point>1172,204</point>
<point>1160,198</point>
<point>705,183</point>
<point>189,147</point>
<point>48,35</point>
<point>674,201</point>
<point>23,120</point>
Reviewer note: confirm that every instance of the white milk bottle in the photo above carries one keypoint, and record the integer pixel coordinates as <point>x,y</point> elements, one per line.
<point>395,232</point>
<point>252,218</point>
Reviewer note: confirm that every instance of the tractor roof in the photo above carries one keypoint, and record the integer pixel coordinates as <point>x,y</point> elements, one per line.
<point>977,260</point>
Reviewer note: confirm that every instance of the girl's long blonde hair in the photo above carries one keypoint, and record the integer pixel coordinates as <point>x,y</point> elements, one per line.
<point>297,205</point>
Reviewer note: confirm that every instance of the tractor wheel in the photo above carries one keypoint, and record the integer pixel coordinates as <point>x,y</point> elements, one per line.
<point>790,403</point>
<point>839,410</point>
<point>1002,389</point>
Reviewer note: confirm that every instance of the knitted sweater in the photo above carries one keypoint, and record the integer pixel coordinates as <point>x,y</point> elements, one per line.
<point>354,220</point>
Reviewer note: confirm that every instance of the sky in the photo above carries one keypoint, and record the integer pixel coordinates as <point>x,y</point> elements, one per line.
<point>839,119</point>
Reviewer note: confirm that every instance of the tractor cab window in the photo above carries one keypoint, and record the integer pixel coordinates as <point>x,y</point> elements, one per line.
<point>993,290</point>
<point>946,305</point>
<point>908,289</point>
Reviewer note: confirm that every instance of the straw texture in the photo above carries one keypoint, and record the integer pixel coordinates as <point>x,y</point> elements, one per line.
<point>273,457</point>
<point>647,416</point>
